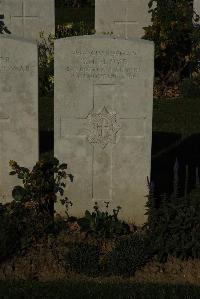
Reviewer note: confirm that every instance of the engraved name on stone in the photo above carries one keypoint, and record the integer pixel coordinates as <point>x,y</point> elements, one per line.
<point>103,64</point>
<point>7,65</point>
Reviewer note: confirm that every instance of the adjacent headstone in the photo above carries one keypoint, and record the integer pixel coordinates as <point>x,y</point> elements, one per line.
<point>196,7</point>
<point>18,109</point>
<point>124,18</point>
<point>27,18</point>
<point>103,121</point>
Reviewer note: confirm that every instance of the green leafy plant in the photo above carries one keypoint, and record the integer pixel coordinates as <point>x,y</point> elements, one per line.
<point>41,185</point>
<point>46,64</point>
<point>101,224</point>
<point>84,258</point>
<point>176,41</point>
<point>175,229</point>
<point>46,53</point>
<point>73,29</point>
<point>130,254</point>
<point>20,227</point>
<point>173,224</point>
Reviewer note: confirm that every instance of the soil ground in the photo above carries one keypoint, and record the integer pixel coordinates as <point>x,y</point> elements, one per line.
<point>40,263</point>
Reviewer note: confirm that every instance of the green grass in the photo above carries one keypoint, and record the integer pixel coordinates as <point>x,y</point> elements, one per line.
<point>179,116</point>
<point>87,290</point>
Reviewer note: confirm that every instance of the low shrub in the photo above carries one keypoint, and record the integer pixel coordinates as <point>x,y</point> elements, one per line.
<point>101,224</point>
<point>174,226</point>
<point>130,254</point>
<point>9,235</point>
<point>41,185</point>
<point>30,215</point>
<point>20,227</point>
<point>84,258</point>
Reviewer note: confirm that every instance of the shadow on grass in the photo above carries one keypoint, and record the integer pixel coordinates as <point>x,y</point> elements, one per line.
<point>82,289</point>
<point>165,149</point>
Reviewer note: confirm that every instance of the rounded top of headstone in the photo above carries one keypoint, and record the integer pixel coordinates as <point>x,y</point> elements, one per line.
<point>106,37</point>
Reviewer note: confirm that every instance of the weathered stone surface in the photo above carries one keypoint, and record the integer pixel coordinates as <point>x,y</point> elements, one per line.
<point>124,18</point>
<point>18,109</point>
<point>196,7</point>
<point>27,18</point>
<point>103,120</point>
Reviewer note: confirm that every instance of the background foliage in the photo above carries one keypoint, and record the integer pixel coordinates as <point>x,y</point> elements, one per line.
<point>173,223</point>
<point>177,42</point>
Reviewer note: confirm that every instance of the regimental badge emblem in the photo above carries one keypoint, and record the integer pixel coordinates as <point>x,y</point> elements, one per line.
<point>103,127</point>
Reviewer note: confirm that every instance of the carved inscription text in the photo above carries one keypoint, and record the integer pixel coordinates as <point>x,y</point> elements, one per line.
<point>7,65</point>
<point>103,64</point>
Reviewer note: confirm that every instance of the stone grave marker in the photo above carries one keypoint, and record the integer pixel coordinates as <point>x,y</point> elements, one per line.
<point>103,121</point>
<point>18,109</point>
<point>27,18</point>
<point>196,7</point>
<point>124,18</point>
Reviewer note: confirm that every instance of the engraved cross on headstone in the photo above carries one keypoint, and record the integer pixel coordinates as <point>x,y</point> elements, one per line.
<point>126,23</point>
<point>104,135</point>
<point>123,127</point>
<point>103,127</point>
<point>23,16</point>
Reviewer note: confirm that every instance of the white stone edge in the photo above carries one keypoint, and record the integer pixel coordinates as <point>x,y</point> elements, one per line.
<point>105,37</point>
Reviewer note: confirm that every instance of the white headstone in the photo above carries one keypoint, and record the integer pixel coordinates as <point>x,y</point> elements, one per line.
<point>18,109</point>
<point>27,18</point>
<point>124,18</point>
<point>103,121</point>
<point>196,7</point>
